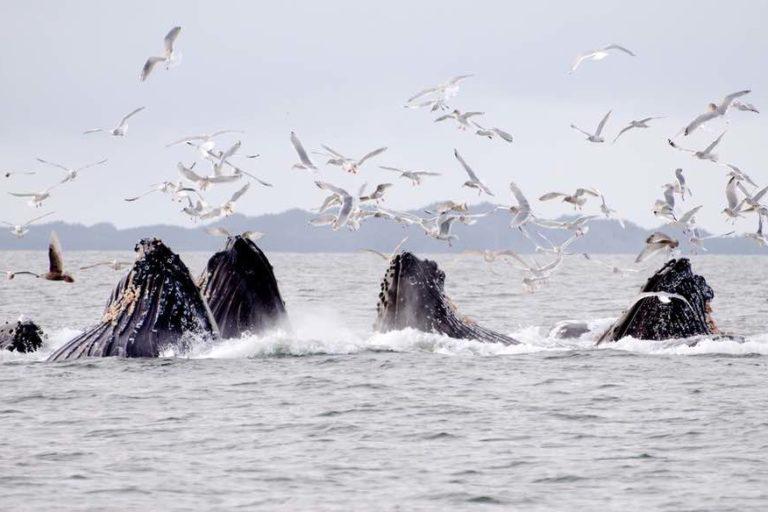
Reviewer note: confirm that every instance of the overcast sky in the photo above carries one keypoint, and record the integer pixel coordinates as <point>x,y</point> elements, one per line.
<point>339,72</point>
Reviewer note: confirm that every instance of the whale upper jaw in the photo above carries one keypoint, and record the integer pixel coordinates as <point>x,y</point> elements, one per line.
<point>412,296</point>
<point>651,319</point>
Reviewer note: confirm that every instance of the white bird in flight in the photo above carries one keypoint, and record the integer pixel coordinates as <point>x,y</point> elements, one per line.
<point>492,133</point>
<point>656,243</point>
<point>598,54</point>
<point>203,182</point>
<point>705,154</point>
<point>577,199</point>
<point>168,54</point>
<point>640,123</point>
<point>594,137</point>
<point>71,173</point>
<point>228,208</point>
<point>521,212</point>
<point>305,163</point>
<point>714,110</point>
<point>348,164</point>
<point>349,204</point>
<point>19,230</point>
<point>219,231</point>
<point>121,128</point>
<point>474,181</point>
<point>461,118</point>
<point>439,94</point>
<point>414,176</point>
<point>36,198</point>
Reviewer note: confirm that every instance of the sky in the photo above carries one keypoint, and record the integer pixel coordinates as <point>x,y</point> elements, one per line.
<point>338,73</point>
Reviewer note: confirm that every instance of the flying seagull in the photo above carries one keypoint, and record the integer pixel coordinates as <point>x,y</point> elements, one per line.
<point>120,129</point>
<point>168,54</point>
<point>714,110</point>
<point>640,123</point>
<point>306,163</point>
<point>598,54</point>
<point>474,181</point>
<point>19,230</point>
<point>594,137</point>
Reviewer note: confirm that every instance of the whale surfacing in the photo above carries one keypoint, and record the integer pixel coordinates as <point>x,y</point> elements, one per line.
<point>23,336</point>
<point>412,295</point>
<point>155,307</point>
<point>652,319</point>
<point>240,287</point>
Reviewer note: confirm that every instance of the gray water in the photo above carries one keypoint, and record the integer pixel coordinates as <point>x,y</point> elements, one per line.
<point>334,417</point>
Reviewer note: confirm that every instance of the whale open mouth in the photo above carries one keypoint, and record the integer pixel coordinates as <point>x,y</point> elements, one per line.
<point>240,287</point>
<point>154,308</point>
<point>652,319</point>
<point>412,296</point>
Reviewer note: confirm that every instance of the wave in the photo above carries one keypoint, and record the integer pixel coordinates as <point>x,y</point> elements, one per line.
<point>314,335</point>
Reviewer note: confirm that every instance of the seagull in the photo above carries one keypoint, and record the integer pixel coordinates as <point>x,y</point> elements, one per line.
<point>8,174</point>
<point>390,256</point>
<point>473,181</point>
<point>641,123</point>
<point>687,220</point>
<point>228,208</point>
<point>440,93</point>
<point>415,176</point>
<point>596,136</point>
<point>323,220</point>
<point>614,268</point>
<point>71,172</point>
<point>461,118</point>
<point>706,154</point>
<point>599,54</point>
<point>681,187</point>
<point>656,243</point>
<point>120,129</point>
<point>609,212</point>
<point>219,231</point>
<point>10,274</point>
<point>348,164</point>
<point>203,182</point>
<point>577,199</point>
<point>521,213</point>
<point>56,263</point>
<point>451,206</point>
<point>195,210</point>
<point>377,195</point>
<point>37,198</point>
<point>492,133</point>
<point>697,239</point>
<point>577,225</point>
<point>348,204</point>
<point>714,111</point>
<point>741,175</point>
<point>306,163</point>
<point>19,230</point>
<point>758,236</point>
<point>663,297</point>
<point>205,138</point>
<point>164,187</point>
<point>753,200</point>
<point>113,264</point>
<point>439,228</point>
<point>735,207</point>
<point>744,107</point>
<point>168,54</point>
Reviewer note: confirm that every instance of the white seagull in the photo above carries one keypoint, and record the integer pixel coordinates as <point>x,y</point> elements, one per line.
<point>656,243</point>
<point>348,164</point>
<point>594,137</point>
<point>414,176</point>
<point>19,230</point>
<point>71,172</point>
<point>521,212</point>
<point>598,54</point>
<point>228,208</point>
<point>705,154</point>
<point>168,54</point>
<point>714,110</point>
<point>474,181</point>
<point>462,119</point>
<point>121,128</point>
<point>640,123</point>
<point>305,163</point>
<point>492,133</point>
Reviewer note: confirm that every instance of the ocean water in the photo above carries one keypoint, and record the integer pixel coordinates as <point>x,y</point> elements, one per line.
<point>332,416</point>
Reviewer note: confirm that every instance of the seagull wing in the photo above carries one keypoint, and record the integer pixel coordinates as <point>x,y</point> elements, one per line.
<point>551,195</point>
<point>393,169</point>
<point>218,231</point>
<point>371,155</point>
<point>53,164</point>
<point>149,66</point>
<point>332,188</point>
<point>729,99</point>
<point>37,218</point>
<point>623,130</point>
<point>93,130</point>
<point>602,123</point>
<point>580,130</point>
<point>188,173</point>
<point>169,39</point>
<point>501,133</point>
<point>470,172</point>
<point>714,143</point>
<point>56,262</point>
<point>333,151</point>
<point>133,113</point>
<point>94,164</point>
<point>620,48</point>
<point>237,195</point>
<point>301,151</point>
<point>703,118</point>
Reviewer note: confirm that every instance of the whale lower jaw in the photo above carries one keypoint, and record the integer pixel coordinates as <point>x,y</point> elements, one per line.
<point>651,319</point>
<point>412,296</point>
<point>155,308</point>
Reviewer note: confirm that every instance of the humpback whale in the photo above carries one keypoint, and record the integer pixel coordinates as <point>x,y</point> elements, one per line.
<point>412,296</point>
<point>652,319</point>
<point>156,306</point>
<point>23,336</point>
<point>241,289</point>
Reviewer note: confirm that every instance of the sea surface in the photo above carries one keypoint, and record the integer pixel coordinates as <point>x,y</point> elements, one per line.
<point>331,416</point>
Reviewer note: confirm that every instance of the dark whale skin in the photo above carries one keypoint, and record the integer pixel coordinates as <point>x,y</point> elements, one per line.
<point>650,319</point>
<point>240,287</point>
<point>412,296</point>
<point>23,336</point>
<point>156,306</point>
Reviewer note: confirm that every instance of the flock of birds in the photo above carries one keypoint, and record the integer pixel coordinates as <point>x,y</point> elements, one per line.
<point>344,209</point>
